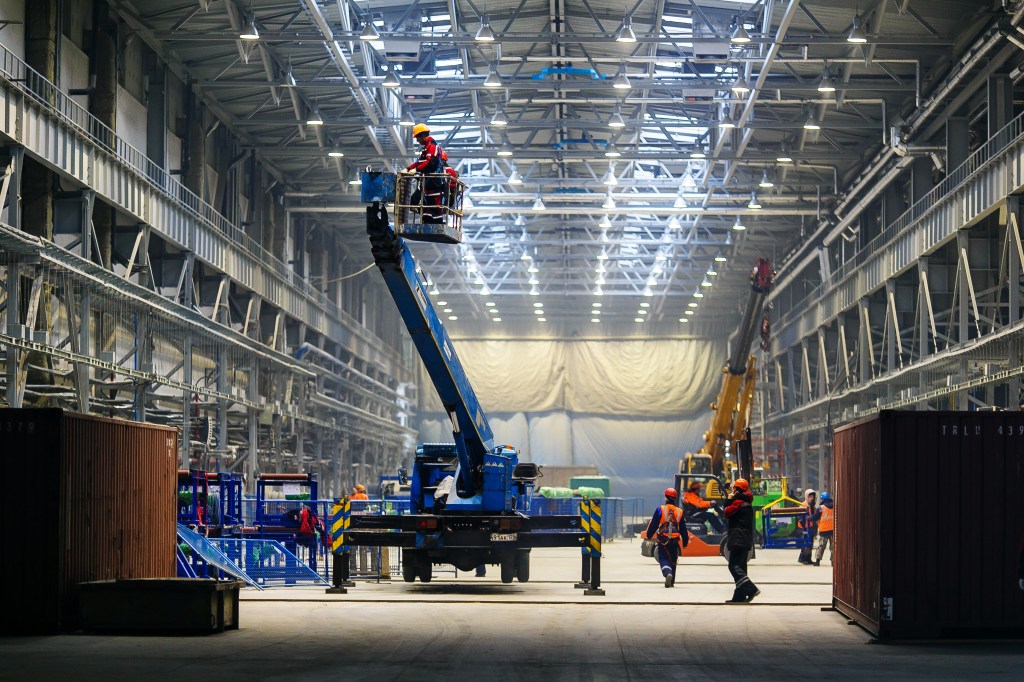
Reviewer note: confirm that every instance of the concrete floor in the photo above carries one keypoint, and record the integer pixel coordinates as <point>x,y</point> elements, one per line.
<point>469,628</point>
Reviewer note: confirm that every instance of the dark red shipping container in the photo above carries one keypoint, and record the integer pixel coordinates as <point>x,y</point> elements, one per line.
<point>87,498</point>
<point>929,518</point>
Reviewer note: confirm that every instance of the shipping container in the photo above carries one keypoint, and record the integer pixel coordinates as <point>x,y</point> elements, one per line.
<point>88,498</point>
<point>929,518</point>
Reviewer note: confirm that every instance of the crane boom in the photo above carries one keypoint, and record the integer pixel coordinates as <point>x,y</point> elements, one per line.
<point>737,384</point>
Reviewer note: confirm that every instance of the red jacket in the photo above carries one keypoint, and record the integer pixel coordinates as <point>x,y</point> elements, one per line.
<point>430,158</point>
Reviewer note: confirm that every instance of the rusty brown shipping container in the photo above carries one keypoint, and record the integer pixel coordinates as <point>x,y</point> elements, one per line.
<point>88,498</point>
<point>929,517</point>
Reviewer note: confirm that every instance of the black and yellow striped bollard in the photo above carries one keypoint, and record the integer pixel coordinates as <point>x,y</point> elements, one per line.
<point>595,551</point>
<point>341,518</point>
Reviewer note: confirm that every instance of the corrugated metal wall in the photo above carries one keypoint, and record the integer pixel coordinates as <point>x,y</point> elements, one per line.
<point>90,499</point>
<point>929,514</point>
<point>855,569</point>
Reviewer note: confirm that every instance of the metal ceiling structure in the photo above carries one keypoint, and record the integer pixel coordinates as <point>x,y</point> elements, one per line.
<point>640,154</point>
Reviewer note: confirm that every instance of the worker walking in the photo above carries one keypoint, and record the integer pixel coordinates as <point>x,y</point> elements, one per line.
<point>433,191</point>
<point>740,540</point>
<point>698,509</point>
<point>826,524</point>
<point>666,527</point>
<point>809,524</point>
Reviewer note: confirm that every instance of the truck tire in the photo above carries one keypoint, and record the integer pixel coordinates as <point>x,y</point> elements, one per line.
<point>523,566</point>
<point>426,569</point>
<point>410,565</point>
<point>508,568</point>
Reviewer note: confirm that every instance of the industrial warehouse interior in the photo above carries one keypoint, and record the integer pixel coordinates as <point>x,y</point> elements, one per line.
<point>511,339</point>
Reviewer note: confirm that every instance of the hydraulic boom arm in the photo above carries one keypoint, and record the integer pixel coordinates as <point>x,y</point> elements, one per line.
<point>473,437</point>
<point>737,384</point>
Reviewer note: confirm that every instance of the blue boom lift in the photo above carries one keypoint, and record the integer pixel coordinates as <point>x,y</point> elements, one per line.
<point>483,519</point>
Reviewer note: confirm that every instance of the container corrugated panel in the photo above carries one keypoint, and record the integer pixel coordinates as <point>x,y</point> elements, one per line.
<point>94,500</point>
<point>928,521</point>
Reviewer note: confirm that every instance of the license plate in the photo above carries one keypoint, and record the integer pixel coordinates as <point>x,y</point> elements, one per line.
<point>504,537</point>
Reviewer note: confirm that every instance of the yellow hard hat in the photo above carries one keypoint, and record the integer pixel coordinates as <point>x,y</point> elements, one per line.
<point>420,128</point>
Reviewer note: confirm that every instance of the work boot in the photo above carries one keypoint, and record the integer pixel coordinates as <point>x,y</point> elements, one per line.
<point>818,562</point>
<point>750,596</point>
<point>668,580</point>
<point>736,599</point>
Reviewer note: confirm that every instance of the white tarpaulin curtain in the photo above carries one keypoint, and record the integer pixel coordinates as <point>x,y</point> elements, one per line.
<point>630,407</point>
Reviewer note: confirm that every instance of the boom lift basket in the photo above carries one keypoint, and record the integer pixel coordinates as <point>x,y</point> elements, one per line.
<point>428,207</point>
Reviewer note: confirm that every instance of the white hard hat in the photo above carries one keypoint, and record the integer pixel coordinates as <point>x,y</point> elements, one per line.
<point>809,491</point>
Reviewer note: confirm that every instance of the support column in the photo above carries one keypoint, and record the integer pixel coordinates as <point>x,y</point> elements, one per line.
<point>921,182</point>
<point>103,105</point>
<point>957,139</point>
<point>186,402</point>
<point>13,361</point>
<point>252,461</point>
<point>1000,105</point>
<point>194,170</point>
<point>156,118</point>
<point>1013,274</point>
<point>804,479</point>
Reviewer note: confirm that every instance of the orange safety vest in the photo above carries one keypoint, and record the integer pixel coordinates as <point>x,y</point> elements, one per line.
<point>827,521</point>
<point>671,523</point>
<point>695,500</point>
<point>359,496</point>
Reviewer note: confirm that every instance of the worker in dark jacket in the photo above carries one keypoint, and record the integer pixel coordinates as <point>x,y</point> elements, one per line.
<point>809,524</point>
<point>667,529</point>
<point>740,540</point>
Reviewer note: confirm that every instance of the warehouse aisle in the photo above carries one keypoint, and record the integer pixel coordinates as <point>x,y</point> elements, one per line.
<point>477,629</point>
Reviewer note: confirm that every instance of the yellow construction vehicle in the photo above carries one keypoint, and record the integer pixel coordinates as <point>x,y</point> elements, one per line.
<point>726,455</point>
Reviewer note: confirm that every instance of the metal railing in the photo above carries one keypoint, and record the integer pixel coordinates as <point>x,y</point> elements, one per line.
<point>979,160</point>
<point>59,104</point>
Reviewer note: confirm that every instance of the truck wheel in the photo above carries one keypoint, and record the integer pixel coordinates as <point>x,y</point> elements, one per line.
<point>508,568</point>
<point>426,569</point>
<point>523,566</point>
<point>410,566</point>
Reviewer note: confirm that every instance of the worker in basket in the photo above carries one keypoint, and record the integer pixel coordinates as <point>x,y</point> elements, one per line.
<point>435,192</point>
<point>359,492</point>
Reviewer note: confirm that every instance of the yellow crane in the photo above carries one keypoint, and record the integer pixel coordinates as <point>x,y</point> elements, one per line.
<point>731,414</point>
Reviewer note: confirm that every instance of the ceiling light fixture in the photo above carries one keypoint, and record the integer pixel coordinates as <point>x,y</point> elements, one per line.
<point>505,150</point>
<point>783,156</point>
<point>538,204</point>
<point>646,292</point>
<point>407,120</point>
<point>626,34</point>
<point>249,31</point>
<point>609,178</point>
<point>335,153</point>
<point>534,291</point>
<point>484,34</point>
<point>621,81</point>
<point>673,223</point>
<point>740,86</point>
<point>766,180</point>
<point>753,203</point>
<point>720,258</point>
<point>616,120</point>
<point>598,291</point>
<point>609,203</point>
<point>605,223</point>
<point>698,153</point>
<point>493,79</point>
<point>826,84</point>
<point>612,152</point>
<point>726,121</point>
<point>314,118</point>
<point>739,34</point>
<point>289,78</point>
<point>857,34</point>
<point>391,80</point>
<point>812,123</point>
<point>698,294</point>
<point>603,255</point>
<point>499,119</point>
<point>369,31</point>
<point>738,225</point>
<point>514,178</point>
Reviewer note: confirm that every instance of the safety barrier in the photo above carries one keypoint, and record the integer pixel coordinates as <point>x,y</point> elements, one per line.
<point>622,515</point>
<point>591,517</point>
<point>267,562</point>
